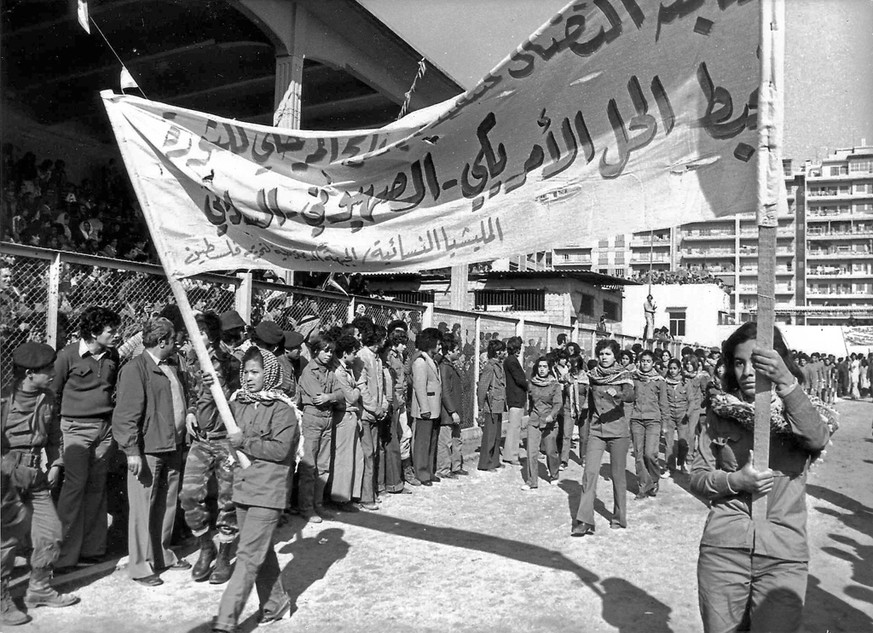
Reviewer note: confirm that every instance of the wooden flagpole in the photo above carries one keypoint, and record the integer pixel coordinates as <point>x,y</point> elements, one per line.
<point>205,362</point>
<point>178,292</point>
<point>770,102</point>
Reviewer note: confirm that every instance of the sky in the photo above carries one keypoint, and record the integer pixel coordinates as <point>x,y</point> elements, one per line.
<point>828,57</point>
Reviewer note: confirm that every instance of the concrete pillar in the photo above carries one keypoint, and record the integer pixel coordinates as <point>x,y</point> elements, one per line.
<point>51,313</point>
<point>458,296</point>
<point>289,89</point>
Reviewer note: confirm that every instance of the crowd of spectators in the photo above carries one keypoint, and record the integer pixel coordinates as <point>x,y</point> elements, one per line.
<point>96,216</point>
<point>679,276</point>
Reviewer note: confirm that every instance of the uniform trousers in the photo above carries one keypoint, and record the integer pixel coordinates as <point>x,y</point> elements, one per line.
<point>405,434</point>
<point>543,437</point>
<point>489,449</point>
<point>15,521</point>
<point>742,591</point>
<point>348,465</point>
<point>88,452</point>
<point>513,434</point>
<point>565,435</point>
<point>617,447</point>
<point>424,447</point>
<point>256,566</point>
<point>693,432</point>
<point>647,439</point>
<point>676,441</point>
<point>152,497</point>
<point>314,468</point>
<point>449,457</point>
<point>391,464</point>
<point>208,458</point>
<point>370,454</point>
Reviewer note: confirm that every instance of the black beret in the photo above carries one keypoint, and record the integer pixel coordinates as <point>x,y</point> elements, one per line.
<point>269,333</point>
<point>32,355</point>
<point>293,339</point>
<point>231,320</point>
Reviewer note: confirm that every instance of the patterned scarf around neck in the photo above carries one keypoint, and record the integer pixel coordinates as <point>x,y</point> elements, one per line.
<point>678,380</point>
<point>272,379</point>
<point>615,375</point>
<point>543,382</point>
<point>728,405</point>
<point>647,376</point>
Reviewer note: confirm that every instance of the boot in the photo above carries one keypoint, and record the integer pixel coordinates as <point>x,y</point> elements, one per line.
<point>41,594</point>
<point>223,568</point>
<point>10,615</point>
<point>409,473</point>
<point>203,566</point>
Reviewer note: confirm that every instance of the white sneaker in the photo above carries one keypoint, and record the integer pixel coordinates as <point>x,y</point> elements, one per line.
<point>528,487</point>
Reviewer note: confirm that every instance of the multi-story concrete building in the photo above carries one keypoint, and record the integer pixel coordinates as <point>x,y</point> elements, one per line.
<point>824,250</point>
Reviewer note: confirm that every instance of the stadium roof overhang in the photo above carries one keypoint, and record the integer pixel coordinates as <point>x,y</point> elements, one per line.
<point>216,56</point>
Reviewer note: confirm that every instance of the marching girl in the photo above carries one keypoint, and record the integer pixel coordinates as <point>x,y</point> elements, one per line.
<point>697,380</point>
<point>611,386</point>
<point>650,414</point>
<point>267,435</point>
<point>752,574</point>
<point>545,395</point>
<point>676,432</point>
<point>575,409</point>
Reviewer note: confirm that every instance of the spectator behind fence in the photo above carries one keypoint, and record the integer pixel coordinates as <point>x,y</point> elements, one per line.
<point>84,387</point>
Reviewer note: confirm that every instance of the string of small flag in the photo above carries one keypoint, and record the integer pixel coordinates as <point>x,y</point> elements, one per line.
<point>85,21</point>
<point>422,68</point>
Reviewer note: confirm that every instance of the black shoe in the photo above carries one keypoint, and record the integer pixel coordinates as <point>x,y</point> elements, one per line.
<point>88,561</point>
<point>402,491</point>
<point>435,480</point>
<point>617,526</point>
<point>582,529</point>
<point>223,567</point>
<point>426,483</point>
<point>152,580</point>
<point>461,472</point>
<point>208,552</point>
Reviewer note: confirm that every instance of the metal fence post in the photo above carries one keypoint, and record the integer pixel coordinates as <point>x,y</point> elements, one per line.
<point>575,338</point>
<point>352,307</point>
<point>548,337</point>
<point>243,297</point>
<point>53,304</point>
<point>427,317</point>
<point>477,351</point>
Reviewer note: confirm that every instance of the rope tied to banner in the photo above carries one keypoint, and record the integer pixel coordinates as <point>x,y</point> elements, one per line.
<point>422,68</point>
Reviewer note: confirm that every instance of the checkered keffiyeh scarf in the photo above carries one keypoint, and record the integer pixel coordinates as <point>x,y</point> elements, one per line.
<point>272,379</point>
<point>727,405</point>
<point>615,375</point>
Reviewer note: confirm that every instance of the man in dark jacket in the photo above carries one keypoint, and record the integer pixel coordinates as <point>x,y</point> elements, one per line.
<point>516,399</point>
<point>449,460</point>
<point>149,426</point>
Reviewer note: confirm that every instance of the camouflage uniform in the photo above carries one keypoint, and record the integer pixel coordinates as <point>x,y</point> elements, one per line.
<point>209,452</point>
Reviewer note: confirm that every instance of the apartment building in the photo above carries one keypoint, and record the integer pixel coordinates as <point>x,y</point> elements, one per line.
<point>824,250</point>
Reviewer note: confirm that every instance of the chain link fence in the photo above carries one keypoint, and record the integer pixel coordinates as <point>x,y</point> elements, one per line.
<point>23,298</point>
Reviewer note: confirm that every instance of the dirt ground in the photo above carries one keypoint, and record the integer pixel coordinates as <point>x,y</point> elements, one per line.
<point>479,554</point>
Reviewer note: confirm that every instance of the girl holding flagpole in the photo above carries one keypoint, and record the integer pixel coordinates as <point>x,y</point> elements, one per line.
<point>752,574</point>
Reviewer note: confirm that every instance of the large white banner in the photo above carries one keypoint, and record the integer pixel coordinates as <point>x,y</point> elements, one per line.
<point>617,116</point>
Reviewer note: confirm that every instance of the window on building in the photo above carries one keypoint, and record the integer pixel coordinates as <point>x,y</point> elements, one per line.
<point>618,272</point>
<point>619,241</point>
<point>410,296</point>
<point>861,166</point>
<point>839,170</point>
<point>603,244</point>
<point>510,300</point>
<point>586,304</point>
<point>619,258</point>
<point>610,309</point>
<point>864,187</point>
<point>677,321</point>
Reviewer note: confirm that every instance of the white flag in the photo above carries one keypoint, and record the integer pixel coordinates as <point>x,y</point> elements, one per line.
<point>82,14</point>
<point>614,117</point>
<point>126,80</point>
